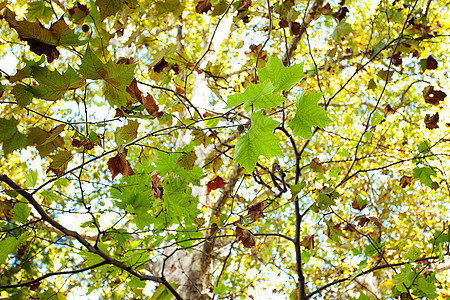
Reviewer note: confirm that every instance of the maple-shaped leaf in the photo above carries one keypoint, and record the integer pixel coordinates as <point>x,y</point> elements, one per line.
<point>432,96</point>
<point>256,211</point>
<point>308,115</point>
<point>37,136</point>
<point>424,175</point>
<point>245,236</point>
<point>214,184</point>
<point>259,140</point>
<point>78,13</point>
<point>119,164</point>
<point>23,94</point>
<point>42,40</point>
<point>282,78</point>
<point>203,6</point>
<point>260,95</point>
<point>27,71</point>
<point>60,161</point>
<point>187,160</point>
<point>10,137</point>
<point>54,133</point>
<point>157,189</point>
<point>116,77</point>
<point>53,85</point>
<point>148,101</point>
<point>127,133</point>
<point>342,30</point>
<point>111,7</point>
<point>431,121</point>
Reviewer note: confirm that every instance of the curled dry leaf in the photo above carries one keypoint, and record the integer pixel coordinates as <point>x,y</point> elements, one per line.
<point>405,181</point>
<point>245,236</point>
<point>357,205</point>
<point>214,184</point>
<point>256,211</point>
<point>148,101</point>
<point>119,164</point>
<point>307,242</point>
<point>433,96</point>
<point>431,64</point>
<point>375,221</point>
<point>160,66</point>
<point>431,121</point>
<point>341,13</point>
<point>157,189</point>
<point>203,6</point>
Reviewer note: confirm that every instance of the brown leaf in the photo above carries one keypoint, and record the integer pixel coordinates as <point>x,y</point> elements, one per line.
<point>256,211</point>
<point>214,184</point>
<point>160,66</point>
<point>119,164</point>
<point>363,220</point>
<point>244,5</point>
<point>432,64</point>
<point>405,181</point>
<point>148,101</point>
<point>119,113</point>
<point>203,6</point>
<point>76,143</point>
<point>283,23</point>
<point>357,205</point>
<point>431,121</point>
<point>55,171</point>
<point>389,110</point>
<point>187,160</point>
<point>295,28</point>
<point>245,236</point>
<point>316,166</point>
<point>341,13</point>
<point>349,227</point>
<point>433,96</point>
<point>397,59</point>
<point>157,189</point>
<point>78,13</point>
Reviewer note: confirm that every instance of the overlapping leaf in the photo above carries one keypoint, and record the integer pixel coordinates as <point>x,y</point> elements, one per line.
<point>281,77</point>
<point>308,115</point>
<point>260,95</point>
<point>259,140</point>
<point>116,77</point>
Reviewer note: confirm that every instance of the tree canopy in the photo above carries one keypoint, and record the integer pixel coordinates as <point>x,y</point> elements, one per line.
<point>224,149</point>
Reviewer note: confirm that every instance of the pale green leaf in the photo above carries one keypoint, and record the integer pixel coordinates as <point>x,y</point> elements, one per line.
<point>343,29</point>
<point>31,178</point>
<point>282,78</point>
<point>21,211</point>
<point>260,95</point>
<point>308,115</point>
<point>259,140</point>
<point>424,175</point>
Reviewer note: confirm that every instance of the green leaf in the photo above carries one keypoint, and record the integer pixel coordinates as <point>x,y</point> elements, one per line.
<point>10,245</point>
<point>428,288</point>
<point>27,71</point>
<point>220,289</point>
<point>259,140</point>
<point>376,118</point>
<point>109,7</point>
<point>424,175</point>
<point>21,211</point>
<point>308,115</point>
<point>343,29</point>
<point>116,77</point>
<point>282,78</point>
<point>127,133</point>
<point>37,136</point>
<point>31,178</point>
<point>53,85</point>
<point>23,94</point>
<point>55,133</point>
<point>7,128</point>
<point>61,160</point>
<point>10,137</point>
<point>260,95</point>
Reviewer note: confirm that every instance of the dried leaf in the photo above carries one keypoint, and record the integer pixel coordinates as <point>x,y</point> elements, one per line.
<point>397,59</point>
<point>375,221</point>
<point>362,221</point>
<point>431,63</point>
<point>256,211</point>
<point>341,13</point>
<point>157,189</point>
<point>283,23</point>
<point>245,236</point>
<point>160,66</point>
<point>119,164</point>
<point>349,227</point>
<point>148,101</point>
<point>119,113</point>
<point>214,184</point>
<point>405,181</point>
<point>431,121</point>
<point>203,6</point>
<point>389,110</point>
<point>295,28</point>
<point>357,205</point>
<point>432,96</point>
<point>326,10</point>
